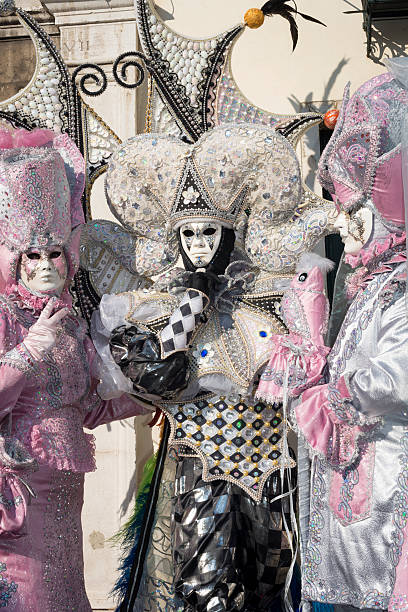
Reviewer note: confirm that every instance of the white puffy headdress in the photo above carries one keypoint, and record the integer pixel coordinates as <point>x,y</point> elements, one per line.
<point>246,177</point>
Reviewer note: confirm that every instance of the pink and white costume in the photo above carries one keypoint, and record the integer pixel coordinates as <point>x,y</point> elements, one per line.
<point>45,404</point>
<point>356,425</point>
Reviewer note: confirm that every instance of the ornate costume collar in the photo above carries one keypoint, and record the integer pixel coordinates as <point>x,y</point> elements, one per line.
<point>239,278</point>
<point>375,249</point>
<point>25,299</point>
<point>384,255</point>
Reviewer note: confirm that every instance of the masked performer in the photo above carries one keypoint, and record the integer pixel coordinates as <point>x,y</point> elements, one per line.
<point>194,344</point>
<point>47,395</point>
<point>356,425</point>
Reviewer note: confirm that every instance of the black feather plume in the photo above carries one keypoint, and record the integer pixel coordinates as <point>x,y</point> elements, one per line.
<point>294,30</point>
<point>280,7</point>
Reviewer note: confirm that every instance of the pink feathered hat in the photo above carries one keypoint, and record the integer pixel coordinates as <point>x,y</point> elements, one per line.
<point>361,165</point>
<point>41,183</point>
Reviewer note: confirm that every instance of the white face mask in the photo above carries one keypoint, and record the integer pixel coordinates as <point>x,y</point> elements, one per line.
<point>200,241</point>
<point>44,270</point>
<point>355,229</point>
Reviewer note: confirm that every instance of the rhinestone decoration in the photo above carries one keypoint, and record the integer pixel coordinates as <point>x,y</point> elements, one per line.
<point>236,441</point>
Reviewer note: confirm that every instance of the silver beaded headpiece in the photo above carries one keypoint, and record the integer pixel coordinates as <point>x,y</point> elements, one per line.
<point>193,199</point>
<point>235,175</point>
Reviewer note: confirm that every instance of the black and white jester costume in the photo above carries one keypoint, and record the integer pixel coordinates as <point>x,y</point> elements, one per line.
<point>216,529</point>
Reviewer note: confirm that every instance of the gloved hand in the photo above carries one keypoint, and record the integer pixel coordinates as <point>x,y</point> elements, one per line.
<point>42,336</point>
<point>204,280</point>
<point>137,353</point>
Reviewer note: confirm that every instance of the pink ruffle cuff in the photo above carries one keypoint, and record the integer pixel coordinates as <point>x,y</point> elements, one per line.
<point>325,417</point>
<point>296,359</point>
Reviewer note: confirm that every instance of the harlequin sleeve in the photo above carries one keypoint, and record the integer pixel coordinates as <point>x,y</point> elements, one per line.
<point>337,418</point>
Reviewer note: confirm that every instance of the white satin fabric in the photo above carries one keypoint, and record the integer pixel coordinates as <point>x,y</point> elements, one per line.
<point>351,558</point>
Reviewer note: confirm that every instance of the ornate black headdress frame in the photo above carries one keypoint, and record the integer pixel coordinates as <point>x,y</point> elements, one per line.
<point>192,115</point>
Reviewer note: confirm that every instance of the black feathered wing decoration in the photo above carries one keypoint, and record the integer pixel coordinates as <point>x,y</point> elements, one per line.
<point>280,7</point>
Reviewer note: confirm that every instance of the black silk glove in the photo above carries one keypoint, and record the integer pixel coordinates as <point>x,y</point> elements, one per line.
<point>206,282</point>
<point>137,353</point>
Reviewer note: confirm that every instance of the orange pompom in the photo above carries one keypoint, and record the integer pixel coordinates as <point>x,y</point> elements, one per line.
<point>254,18</point>
<point>330,118</point>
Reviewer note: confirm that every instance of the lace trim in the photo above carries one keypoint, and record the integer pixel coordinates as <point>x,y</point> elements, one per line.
<point>380,264</point>
<point>26,300</point>
<point>375,248</point>
<point>21,359</point>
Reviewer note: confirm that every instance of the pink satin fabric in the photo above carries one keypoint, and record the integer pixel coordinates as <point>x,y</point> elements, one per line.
<point>387,191</point>
<point>337,440</point>
<point>342,192</point>
<point>301,355</point>
<point>41,565</point>
<point>305,306</point>
<point>356,507</point>
<point>14,498</point>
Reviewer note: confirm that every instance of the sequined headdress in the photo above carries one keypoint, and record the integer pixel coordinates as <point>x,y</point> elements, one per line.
<point>361,165</point>
<point>41,184</point>
<point>193,200</point>
<point>235,175</point>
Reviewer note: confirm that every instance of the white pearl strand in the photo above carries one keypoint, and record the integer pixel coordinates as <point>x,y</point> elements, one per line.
<point>187,58</point>
<point>40,101</point>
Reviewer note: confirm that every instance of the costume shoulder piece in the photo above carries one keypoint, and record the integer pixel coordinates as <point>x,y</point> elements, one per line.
<point>236,350</point>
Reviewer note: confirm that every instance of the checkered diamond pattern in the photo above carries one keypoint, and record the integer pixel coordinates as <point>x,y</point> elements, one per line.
<point>235,440</point>
<point>178,332</point>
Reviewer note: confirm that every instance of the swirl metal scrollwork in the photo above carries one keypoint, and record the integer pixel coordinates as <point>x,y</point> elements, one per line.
<point>121,78</point>
<point>99,79</point>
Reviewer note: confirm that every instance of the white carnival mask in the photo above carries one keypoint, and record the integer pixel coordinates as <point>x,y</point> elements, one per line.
<point>355,229</point>
<point>44,270</point>
<point>200,241</point>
